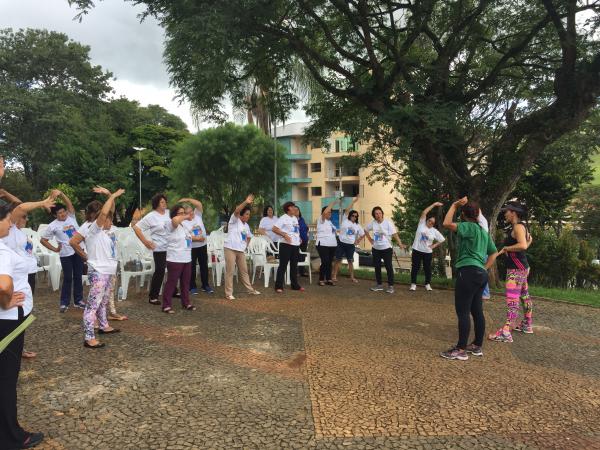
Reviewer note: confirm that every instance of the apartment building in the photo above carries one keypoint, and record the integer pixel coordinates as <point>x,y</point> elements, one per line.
<point>316,176</point>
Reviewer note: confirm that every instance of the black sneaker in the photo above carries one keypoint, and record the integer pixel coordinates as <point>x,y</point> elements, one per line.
<point>63,308</point>
<point>33,440</point>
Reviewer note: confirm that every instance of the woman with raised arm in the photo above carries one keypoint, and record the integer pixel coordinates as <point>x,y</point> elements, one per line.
<point>423,246</point>
<point>62,230</point>
<point>351,233</point>
<point>238,236</point>
<point>383,233</point>
<point>195,227</point>
<point>153,225</point>
<point>102,259</point>
<point>518,239</point>
<point>288,229</point>
<point>265,227</point>
<point>476,253</point>
<point>326,244</point>
<point>16,303</point>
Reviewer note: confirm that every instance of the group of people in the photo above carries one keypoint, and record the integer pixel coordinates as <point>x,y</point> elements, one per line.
<point>178,239</point>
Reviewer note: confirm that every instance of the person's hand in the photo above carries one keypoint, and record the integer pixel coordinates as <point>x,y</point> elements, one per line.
<point>287,238</point>
<point>48,203</point>
<point>438,204</point>
<point>502,251</point>
<point>101,190</point>
<point>150,245</point>
<point>201,239</point>
<point>58,248</point>
<point>462,201</point>
<point>118,193</point>
<point>17,299</point>
<point>250,198</point>
<point>55,193</point>
<point>402,246</point>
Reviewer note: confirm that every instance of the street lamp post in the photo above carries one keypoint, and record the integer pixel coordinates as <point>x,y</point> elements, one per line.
<point>140,150</point>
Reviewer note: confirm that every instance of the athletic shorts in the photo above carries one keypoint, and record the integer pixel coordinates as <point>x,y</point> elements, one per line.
<point>344,250</point>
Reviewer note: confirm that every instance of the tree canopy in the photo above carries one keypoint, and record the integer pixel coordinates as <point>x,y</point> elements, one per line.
<point>222,165</point>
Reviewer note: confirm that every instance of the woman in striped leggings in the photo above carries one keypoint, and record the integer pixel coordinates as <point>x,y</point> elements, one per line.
<point>517,241</point>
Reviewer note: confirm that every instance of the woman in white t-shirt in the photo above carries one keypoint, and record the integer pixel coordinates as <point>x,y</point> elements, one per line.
<point>238,236</point>
<point>351,233</point>
<point>196,228</point>
<point>16,303</point>
<point>179,259</point>
<point>423,246</point>
<point>102,260</point>
<point>383,233</point>
<point>62,230</point>
<point>326,244</point>
<point>153,224</point>
<point>265,227</point>
<point>287,227</point>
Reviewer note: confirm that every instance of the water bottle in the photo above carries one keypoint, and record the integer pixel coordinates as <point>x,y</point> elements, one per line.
<point>120,294</point>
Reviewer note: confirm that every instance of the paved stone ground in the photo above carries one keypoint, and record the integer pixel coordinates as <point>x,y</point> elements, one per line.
<point>334,367</point>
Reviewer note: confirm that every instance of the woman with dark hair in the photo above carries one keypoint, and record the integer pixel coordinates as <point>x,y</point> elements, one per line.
<point>289,247</point>
<point>326,244</point>
<point>518,239</point>
<point>62,230</point>
<point>196,228</point>
<point>154,223</point>
<point>303,228</point>
<point>351,233</point>
<point>381,242</point>
<point>238,236</point>
<point>475,247</point>
<point>265,227</point>
<point>423,246</point>
<point>179,259</point>
<point>16,303</point>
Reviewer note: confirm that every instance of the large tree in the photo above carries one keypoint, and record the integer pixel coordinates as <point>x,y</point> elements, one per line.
<point>222,165</point>
<point>472,90</point>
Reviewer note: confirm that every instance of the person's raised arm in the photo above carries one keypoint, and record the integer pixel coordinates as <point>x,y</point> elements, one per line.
<point>429,208</point>
<point>449,219</point>
<point>24,208</point>
<point>9,197</point>
<point>328,208</point>
<point>108,206</point>
<point>195,203</point>
<point>349,208</point>
<point>68,204</point>
<point>238,208</point>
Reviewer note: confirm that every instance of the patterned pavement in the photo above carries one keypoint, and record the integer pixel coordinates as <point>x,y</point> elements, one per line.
<point>334,367</point>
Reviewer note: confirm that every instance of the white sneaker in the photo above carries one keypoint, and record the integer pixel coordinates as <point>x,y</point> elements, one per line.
<point>413,287</point>
<point>253,292</point>
<point>229,297</point>
<point>428,287</point>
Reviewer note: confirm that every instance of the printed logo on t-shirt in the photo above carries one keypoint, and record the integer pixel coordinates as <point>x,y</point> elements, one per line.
<point>197,230</point>
<point>424,237</point>
<point>113,245</point>
<point>29,246</point>
<point>350,232</point>
<point>69,230</point>
<point>188,242</point>
<point>378,236</point>
<point>244,236</point>
<point>295,229</point>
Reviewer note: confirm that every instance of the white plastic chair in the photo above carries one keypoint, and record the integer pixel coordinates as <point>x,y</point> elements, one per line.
<point>132,251</point>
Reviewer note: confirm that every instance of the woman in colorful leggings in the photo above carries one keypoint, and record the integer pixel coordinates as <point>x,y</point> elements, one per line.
<point>517,241</point>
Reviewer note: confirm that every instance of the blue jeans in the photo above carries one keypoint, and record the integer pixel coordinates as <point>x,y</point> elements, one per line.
<point>72,267</point>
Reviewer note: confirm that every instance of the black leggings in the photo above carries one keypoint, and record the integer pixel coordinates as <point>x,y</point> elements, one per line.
<point>470,281</point>
<point>386,255</point>
<point>160,265</point>
<point>200,255</point>
<point>31,280</point>
<point>417,257</point>
<point>326,254</point>
<point>287,254</point>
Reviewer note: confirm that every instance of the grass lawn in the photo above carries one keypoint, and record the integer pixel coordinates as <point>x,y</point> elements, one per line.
<point>578,296</point>
<point>596,165</point>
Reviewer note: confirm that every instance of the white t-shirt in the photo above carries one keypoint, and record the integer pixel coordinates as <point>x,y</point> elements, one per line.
<point>237,233</point>
<point>62,232</point>
<point>289,225</point>
<point>154,223</point>
<point>425,236</point>
<point>179,243</point>
<point>195,228</point>
<point>382,233</point>
<point>266,223</point>
<point>16,267</point>
<point>18,241</point>
<point>482,221</point>
<point>326,233</point>
<point>350,232</point>
<point>101,248</point>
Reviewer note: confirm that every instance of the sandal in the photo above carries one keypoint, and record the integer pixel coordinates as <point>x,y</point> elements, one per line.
<point>168,311</point>
<point>98,345</point>
<point>117,317</point>
<point>154,301</point>
<point>354,280</point>
<point>190,308</point>
<point>229,297</point>
<point>28,355</point>
<point>279,291</point>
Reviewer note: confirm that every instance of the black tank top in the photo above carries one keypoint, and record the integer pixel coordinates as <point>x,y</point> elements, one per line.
<point>515,260</point>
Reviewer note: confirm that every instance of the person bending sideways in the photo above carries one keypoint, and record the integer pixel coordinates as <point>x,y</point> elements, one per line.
<point>423,246</point>
<point>383,233</point>
<point>351,233</point>
<point>101,245</point>
<point>62,230</point>
<point>288,229</point>
<point>474,247</point>
<point>238,236</point>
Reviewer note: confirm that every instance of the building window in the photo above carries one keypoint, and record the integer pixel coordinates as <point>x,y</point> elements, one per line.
<point>315,191</point>
<point>315,167</point>
<point>345,144</point>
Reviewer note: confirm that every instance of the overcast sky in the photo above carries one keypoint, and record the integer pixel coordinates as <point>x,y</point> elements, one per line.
<point>131,50</point>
